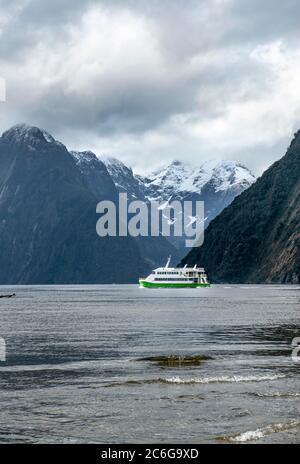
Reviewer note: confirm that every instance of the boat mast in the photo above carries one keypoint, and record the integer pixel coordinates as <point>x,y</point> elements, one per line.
<point>168,262</point>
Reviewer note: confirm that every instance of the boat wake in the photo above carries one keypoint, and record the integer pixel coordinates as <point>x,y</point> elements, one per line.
<point>253,435</point>
<point>224,379</point>
<point>275,395</point>
<point>198,380</point>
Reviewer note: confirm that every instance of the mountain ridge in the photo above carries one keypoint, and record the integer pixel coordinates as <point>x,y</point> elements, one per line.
<point>48,218</point>
<point>48,198</point>
<point>223,180</point>
<point>256,239</point>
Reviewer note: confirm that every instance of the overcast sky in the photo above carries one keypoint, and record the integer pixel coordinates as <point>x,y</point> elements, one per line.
<point>149,81</point>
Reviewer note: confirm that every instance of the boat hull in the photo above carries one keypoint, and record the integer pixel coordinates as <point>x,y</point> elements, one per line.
<point>146,284</point>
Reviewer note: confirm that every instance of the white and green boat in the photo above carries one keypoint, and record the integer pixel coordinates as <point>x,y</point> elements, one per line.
<point>176,277</point>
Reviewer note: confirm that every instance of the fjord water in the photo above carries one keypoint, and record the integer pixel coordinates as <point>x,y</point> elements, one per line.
<point>73,372</point>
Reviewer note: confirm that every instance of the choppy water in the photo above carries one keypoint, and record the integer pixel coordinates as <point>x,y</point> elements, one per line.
<point>72,373</point>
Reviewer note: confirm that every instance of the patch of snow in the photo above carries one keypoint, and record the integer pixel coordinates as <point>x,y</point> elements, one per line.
<point>48,137</point>
<point>29,135</point>
<point>84,156</point>
<point>178,177</point>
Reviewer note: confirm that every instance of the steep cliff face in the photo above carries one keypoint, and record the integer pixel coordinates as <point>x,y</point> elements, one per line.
<point>94,175</point>
<point>48,217</point>
<point>257,238</point>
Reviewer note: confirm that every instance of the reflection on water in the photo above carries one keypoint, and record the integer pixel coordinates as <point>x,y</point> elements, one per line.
<point>123,364</point>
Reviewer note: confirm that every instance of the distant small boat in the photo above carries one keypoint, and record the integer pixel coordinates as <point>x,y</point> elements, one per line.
<point>9,295</point>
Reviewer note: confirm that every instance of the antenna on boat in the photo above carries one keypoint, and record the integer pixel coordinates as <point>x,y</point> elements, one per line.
<point>168,262</point>
<point>195,267</point>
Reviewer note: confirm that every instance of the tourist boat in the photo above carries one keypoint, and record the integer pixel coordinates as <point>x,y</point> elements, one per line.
<point>176,277</point>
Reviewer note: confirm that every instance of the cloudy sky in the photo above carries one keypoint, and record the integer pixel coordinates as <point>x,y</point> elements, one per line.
<point>149,81</point>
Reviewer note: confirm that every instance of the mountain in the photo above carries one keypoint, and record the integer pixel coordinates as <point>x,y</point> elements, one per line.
<point>215,183</point>
<point>154,250</point>
<point>124,179</point>
<point>48,201</point>
<point>257,238</point>
<point>95,175</point>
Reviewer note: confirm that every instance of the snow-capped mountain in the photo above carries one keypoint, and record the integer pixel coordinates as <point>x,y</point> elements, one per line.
<point>33,138</point>
<point>177,180</point>
<point>48,198</point>
<point>216,183</point>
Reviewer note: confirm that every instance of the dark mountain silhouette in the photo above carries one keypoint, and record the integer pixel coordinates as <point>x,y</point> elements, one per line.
<point>48,217</point>
<point>257,238</point>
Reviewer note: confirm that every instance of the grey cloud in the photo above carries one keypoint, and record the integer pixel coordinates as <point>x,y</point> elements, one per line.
<point>267,20</point>
<point>204,48</point>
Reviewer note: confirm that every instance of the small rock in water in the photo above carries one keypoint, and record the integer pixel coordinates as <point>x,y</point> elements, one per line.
<point>176,361</point>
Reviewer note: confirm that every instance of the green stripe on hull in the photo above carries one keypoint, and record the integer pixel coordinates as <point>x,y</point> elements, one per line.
<point>144,283</point>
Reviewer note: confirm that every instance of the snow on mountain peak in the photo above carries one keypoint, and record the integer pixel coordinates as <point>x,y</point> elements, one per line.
<point>31,136</point>
<point>230,174</point>
<point>113,164</point>
<point>84,156</point>
<point>124,178</point>
<point>180,177</point>
<point>118,170</point>
<point>171,175</point>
